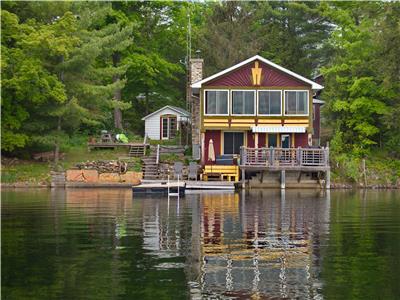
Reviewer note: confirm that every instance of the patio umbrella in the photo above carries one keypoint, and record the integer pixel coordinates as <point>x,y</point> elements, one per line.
<point>211,151</point>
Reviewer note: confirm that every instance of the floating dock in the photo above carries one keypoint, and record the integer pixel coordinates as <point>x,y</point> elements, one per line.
<point>161,188</point>
<point>210,185</point>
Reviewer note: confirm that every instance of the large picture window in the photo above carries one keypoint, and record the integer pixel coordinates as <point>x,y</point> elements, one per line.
<point>243,102</point>
<point>232,142</point>
<point>269,103</point>
<point>216,103</point>
<point>296,102</point>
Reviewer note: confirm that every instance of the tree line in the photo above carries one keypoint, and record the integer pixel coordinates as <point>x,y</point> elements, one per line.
<point>71,68</point>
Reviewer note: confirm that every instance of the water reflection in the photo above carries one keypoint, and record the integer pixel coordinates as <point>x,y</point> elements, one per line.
<point>261,243</point>
<point>68,244</point>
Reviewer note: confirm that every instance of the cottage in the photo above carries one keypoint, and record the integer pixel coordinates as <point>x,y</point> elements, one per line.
<point>257,115</point>
<point>164,123</point>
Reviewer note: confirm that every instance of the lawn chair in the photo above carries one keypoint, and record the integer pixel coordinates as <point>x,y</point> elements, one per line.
<point>193,170</point>
<point>178,168</point>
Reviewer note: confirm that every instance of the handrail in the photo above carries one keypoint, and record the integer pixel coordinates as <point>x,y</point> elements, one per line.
<point>145,139</point>
<point>302,157</point>
<point>158,154</point>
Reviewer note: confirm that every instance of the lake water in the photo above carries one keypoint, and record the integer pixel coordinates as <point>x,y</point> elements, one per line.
<point>263,244</point>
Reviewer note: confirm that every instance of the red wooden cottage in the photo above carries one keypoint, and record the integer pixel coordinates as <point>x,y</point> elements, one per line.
<point>254,104</point>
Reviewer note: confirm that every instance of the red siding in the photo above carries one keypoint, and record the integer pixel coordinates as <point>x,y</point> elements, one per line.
<point>215,135</point>
<point>250,139</point>
<point>269,77</point>
<point>301,140</point>
<point>316,121</point>
<point>262,140</point>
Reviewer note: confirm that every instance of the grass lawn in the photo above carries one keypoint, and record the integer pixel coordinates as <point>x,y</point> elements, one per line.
<point>39,172</point>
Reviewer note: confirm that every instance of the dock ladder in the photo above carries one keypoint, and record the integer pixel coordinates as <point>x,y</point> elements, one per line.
<point>171,194</point>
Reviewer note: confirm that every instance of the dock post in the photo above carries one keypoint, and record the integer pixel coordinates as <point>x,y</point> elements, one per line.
<point>283,179</point>
<point>243,179</point>
<point>328,179</point>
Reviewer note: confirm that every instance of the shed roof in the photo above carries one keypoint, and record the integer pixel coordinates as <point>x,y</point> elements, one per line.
<point>174,108</point>
<point>314,85</point>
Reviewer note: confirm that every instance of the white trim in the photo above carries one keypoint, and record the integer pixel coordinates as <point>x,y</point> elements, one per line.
<point>278,129</point>
<point>232,131</point>
<point>258,103</point>
<point>204,102</point>
<point>314,85</point>
<point>243,115</point>
<point>296,115</point>
<point>182,112</point>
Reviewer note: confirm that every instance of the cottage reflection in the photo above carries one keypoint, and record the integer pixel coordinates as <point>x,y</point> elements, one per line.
<point>262,243</point>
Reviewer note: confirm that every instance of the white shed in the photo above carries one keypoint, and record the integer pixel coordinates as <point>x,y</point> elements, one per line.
<point>165,122</point>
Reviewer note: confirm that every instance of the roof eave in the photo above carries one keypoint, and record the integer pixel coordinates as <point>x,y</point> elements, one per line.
<point>314,85</point>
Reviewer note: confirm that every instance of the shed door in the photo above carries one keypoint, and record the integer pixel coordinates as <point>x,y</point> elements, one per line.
<point>168,127</point>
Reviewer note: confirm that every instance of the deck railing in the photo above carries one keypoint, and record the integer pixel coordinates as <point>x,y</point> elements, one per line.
<point>277,157</point>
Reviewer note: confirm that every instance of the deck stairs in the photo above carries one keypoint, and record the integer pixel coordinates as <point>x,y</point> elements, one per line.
<point>137,150</point>
<point>150,165</point>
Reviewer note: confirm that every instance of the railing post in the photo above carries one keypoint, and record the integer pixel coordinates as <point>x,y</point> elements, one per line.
<point>271,156</point>
<point>327,156</point>
<point>243,156</point>
<point>158,154</point>
<point>299,155</point>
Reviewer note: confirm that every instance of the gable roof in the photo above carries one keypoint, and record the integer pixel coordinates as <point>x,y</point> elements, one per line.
<point>174,108</point>
<point>314,85</point>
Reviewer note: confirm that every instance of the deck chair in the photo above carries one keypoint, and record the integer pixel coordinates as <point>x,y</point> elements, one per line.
<point>178,168</point>
<point>193,169</point>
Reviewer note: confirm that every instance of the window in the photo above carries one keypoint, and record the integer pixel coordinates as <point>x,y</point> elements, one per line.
<point>216,103</point>
<point>243,102</point>
<point>296,102</point>
<point>269,103</point>
<point>232,142</point>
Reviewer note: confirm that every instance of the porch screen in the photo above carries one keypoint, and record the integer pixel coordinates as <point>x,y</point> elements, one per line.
<point>216,103</point>
<point>232,142</point>
<point>296,102</point>
<point>269,102</point>
<point>243,102</point>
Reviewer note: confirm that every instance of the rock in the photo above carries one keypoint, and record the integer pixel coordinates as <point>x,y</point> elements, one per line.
<point>130,177</point>
<point>82,175</point>
<point>109,177</point>
<point>91,175</point>
<point>75,175</point>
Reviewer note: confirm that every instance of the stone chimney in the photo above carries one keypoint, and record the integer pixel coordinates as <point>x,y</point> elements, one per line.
<point>196,74</point>
<point>196,69</point>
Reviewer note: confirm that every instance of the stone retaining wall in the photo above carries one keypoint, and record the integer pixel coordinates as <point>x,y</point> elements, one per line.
<point>93,176</point>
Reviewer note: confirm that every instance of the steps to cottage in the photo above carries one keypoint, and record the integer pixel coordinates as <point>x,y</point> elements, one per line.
<point>150,164</point>
<point>137,150</point>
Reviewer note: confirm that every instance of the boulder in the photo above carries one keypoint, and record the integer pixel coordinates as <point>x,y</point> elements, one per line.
<point>109,177</point>
<point>82,175</point>
<point>75,175</point>
<point>91,175</point>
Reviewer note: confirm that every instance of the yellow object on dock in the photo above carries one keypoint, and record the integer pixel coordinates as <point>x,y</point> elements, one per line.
<point>228,172</point>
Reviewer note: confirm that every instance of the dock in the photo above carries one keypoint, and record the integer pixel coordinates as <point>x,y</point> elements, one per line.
<point>161,188</point>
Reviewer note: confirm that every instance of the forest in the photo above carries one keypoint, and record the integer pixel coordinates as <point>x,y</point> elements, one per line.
<point>71,69</point>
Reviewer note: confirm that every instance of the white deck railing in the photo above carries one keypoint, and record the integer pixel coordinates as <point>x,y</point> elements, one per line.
<point>276,157</point>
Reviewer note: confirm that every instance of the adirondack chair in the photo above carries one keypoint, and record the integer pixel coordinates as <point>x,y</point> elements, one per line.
<point>178,168</point>
<point>193,171</point>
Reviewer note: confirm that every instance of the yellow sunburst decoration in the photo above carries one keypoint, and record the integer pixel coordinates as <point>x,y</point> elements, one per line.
<point>256,74</point>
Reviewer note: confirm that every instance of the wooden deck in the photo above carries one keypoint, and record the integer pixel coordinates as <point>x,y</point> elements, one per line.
<point>113,145</point>
<point>290,159</point>
<point>285,159</point>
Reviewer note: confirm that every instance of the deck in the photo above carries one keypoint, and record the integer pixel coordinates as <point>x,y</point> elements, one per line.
<point>290,159</point>
<point>285,159</point>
